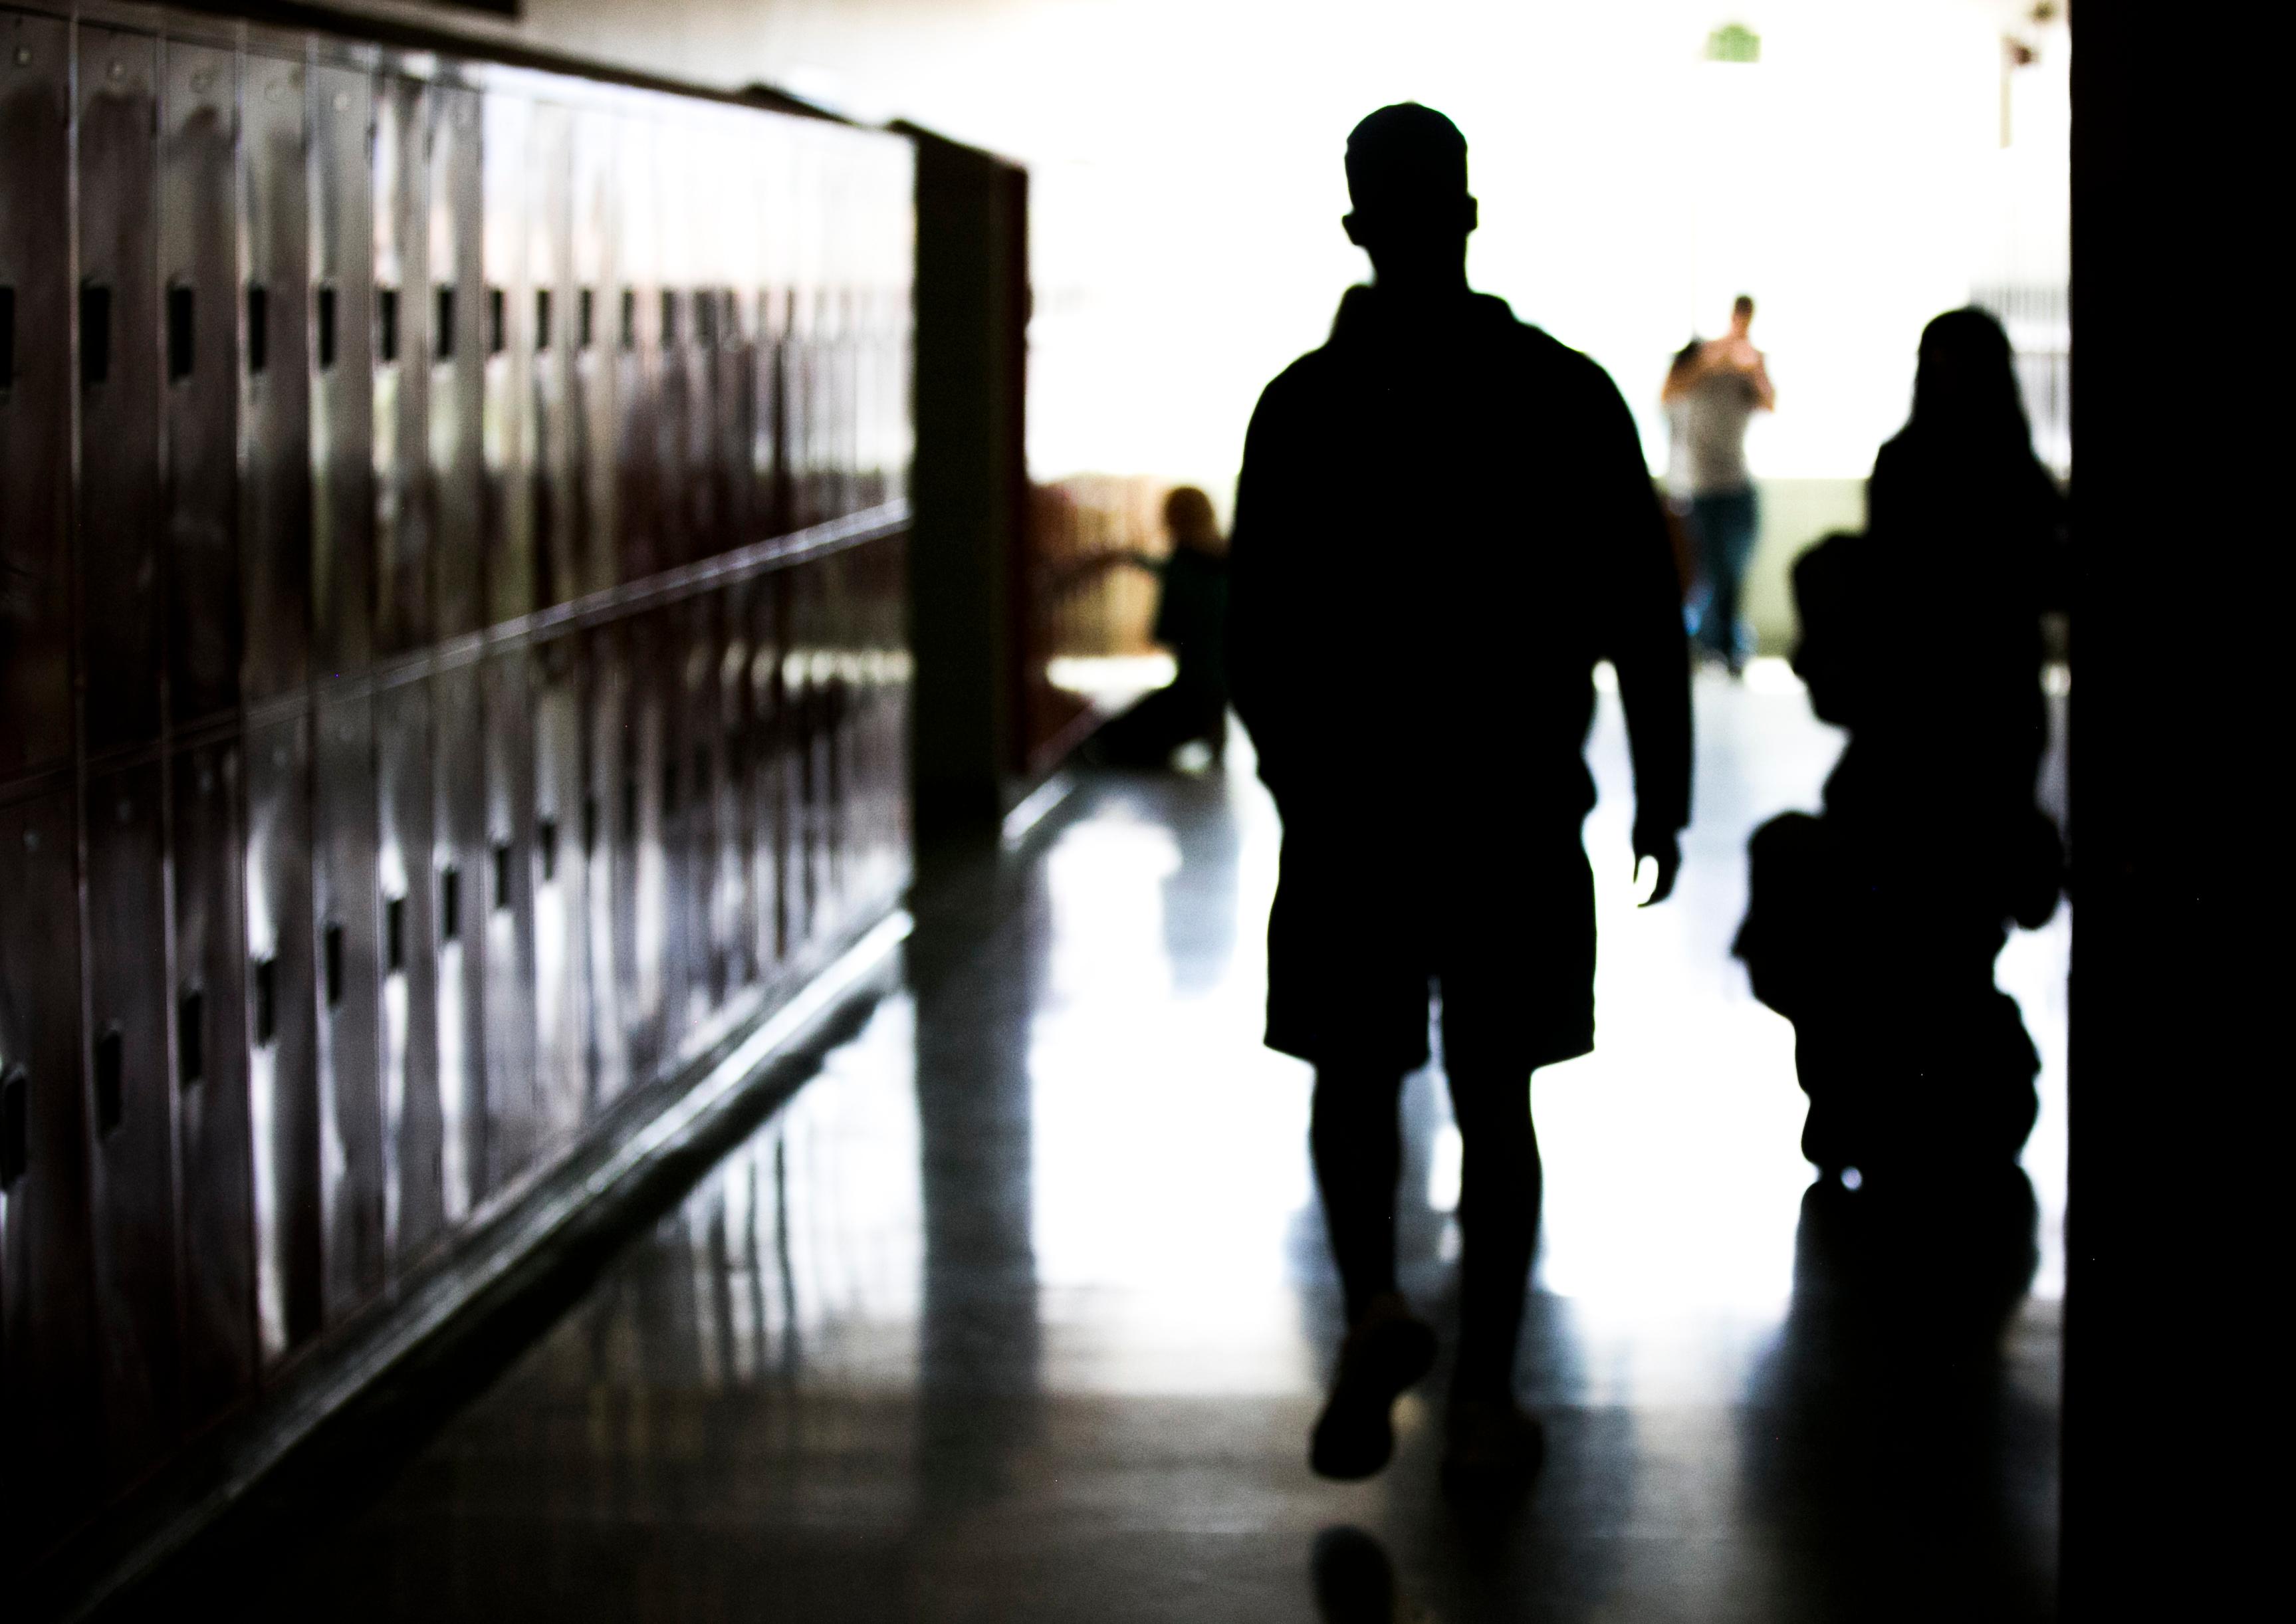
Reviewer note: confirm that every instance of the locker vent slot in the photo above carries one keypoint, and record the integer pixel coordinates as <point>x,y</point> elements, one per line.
<point>497,322</point>
<point>705,318</point>
<point>629,318</point>
<point>110,1061</point>
<point>386,326</point>
<point>15,1124</point>
<point>668,318</point>
<point>450,904</point>
<point>326,322</point>
<point>94,332</point>
<point>192,1038</point>
<point>589,824</point>
<point>542,318</point>
<point>267,1001</point>
<point>258,328</point>
<point>502,874</point>
<point>7,336</point>
<point>394,933</point>
<point>330,944</point>
<point>585,318</point>
<point>182,329</point>
<point>546,836</point>
<point>442,325</point>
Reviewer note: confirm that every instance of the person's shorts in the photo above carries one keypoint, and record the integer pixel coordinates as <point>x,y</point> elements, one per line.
<point>1354,953</point>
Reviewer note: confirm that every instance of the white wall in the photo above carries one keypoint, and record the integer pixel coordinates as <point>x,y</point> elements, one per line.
<point>1188,185</point>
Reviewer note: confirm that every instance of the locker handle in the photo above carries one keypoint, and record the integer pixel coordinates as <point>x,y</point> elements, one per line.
<point>583,312</point>
<point>542,322</point>
<point>546,833</point>
<point>394,933</point>
<point>267,1001</point>
<point>442,332</point>
<point>192,1038</point>
<point>7,336</point>
<point>326,324</point>
<point>95,333</point>
<point>629,318</point>
<point>15,1125</point>
<point>502,876</point>
<point>450,904</point>
<point>259,329</point>
<point>386,326</point>
<point>589,824</point>
<point>497,322</point>
<point>668,318</point>
<point>331,946</point>
<point>110,1062</point>
<point>182,329</point>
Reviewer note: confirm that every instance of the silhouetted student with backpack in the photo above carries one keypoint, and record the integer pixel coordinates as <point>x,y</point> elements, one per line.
<point>1192,622</point>
<point>1873,928</point>
<point>1443,522</point>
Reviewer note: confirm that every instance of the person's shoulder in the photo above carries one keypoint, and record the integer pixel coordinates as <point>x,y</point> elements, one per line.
<point>1534,346</point>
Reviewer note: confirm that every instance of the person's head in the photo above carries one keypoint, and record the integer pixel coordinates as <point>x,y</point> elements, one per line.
<point>1741,315</point>
<point>1188,515</point>
<point>1965,381</point>
<point>1684,355</point>
<point>1408,181</point>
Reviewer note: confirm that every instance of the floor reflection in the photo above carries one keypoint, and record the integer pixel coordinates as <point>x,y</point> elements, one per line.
<point>1018,1309</point>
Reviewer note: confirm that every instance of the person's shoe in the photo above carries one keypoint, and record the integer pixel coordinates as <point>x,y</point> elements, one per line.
<point>1495,1447</point>
<point>1388,1351</point>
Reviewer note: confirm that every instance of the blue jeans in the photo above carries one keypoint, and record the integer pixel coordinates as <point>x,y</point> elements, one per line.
<point>1723,525</point>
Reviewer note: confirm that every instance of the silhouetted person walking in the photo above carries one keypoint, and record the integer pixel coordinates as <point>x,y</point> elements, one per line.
<point>1875,927</point>
<point>1715,389</point>
<point>1443,522</point>
<point>1192,621</point>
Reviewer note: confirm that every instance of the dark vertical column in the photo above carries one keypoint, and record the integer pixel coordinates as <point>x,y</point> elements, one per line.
<point>970,484</point>
<point>346,897</point>
<point>129,1064</point>
<point>48,1410</point>
<point>205,643</point>
<point>2176,855</point>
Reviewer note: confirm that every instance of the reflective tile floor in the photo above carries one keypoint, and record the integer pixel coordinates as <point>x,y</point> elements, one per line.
<point>1018,1309</point>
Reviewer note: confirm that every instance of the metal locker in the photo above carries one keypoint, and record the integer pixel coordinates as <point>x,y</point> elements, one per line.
<point>507,342</point>
<point>403,344</point>
<point>697,723</point>
<point>768,502</point>
<point>594,365</point>
<point>607,854</point>
<point>645,913</point>
<point>736,924</point>
<point>413,1206</point>
<point>131,1106</point>
<point>210,1080</point>
<point>275,316</point>
<point>459,873</point>
<point>280,1015</point>
<point>342,370</point>
<point>48,1397</point>
<point>118,330</point>
<point>635,326</point>
<point>681,490</point>
<point>555,502</point>
<point>36,320</point>
<point>346,910</point>
<point>457,364</point>
<point>504,896</point>
<point>560,915</point>
<point>199,258</point>
<point>767,773</point>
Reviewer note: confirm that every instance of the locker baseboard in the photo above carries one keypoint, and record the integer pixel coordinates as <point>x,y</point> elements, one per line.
<point>477,1304</point>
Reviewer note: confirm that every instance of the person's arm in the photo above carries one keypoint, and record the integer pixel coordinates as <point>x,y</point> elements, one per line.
<point>1641,630</point>
<point>1256,560</point>
<point>1758,375</point>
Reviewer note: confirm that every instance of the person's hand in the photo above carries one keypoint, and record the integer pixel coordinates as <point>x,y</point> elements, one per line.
<point>1660,848</point>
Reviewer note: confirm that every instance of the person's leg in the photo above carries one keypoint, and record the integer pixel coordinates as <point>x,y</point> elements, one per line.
<point>1355,1137</point>
<point>1501,1184</point>
<point>1705,540</point>
<point>1737,523</point>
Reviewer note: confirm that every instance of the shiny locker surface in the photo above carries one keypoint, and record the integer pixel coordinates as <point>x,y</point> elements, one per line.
<point>274,525</point>
<point>504,893</point>
<point>459,874</point>
<point>555,499</point>
<point>412,1147</point>
<point>36,399</point>
<point>608,857</point>
<point>506,342</point>
<point>342,372</point>
<point>593,362</point>
<point>560,916</point>
<point>456,395</point>
<point>346,911</point>
<point>49,1402</point>
<point>118,527</point>
<point>404,309</point>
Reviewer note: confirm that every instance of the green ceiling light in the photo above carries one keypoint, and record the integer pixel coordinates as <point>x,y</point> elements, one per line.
<point>1733,42</point>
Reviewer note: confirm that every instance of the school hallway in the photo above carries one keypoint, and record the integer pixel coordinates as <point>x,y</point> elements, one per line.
<point>1019,1306</point>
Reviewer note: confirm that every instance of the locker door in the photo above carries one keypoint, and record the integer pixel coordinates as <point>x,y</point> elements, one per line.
<point>211,1082</point>
<point>459,874</point>
<point>697,722</point>
<point>199,264</point>
<point>131,1104</point>
<point>405,310</point>
<point>282,1097</point>
<point>513,1111</point>
<point>648,792</point>
<point>119,389</point>
<point>275,380</point>
<point>638,545</point>
<point>608,853</point>
<point>560,915</point>
<point>596,270</point>
<point>556,319</point>
<point>48,1397</point>
<point>674,404</point>
<point>458,320</point>
<point>345,900</point>
<point>36,320</point>
<point>506,431</point>
<point>767,770</point>
<point>737,927</point>
<point>412,1210</point>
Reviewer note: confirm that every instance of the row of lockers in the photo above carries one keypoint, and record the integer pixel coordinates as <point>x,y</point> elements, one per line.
<point>452,651</point>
